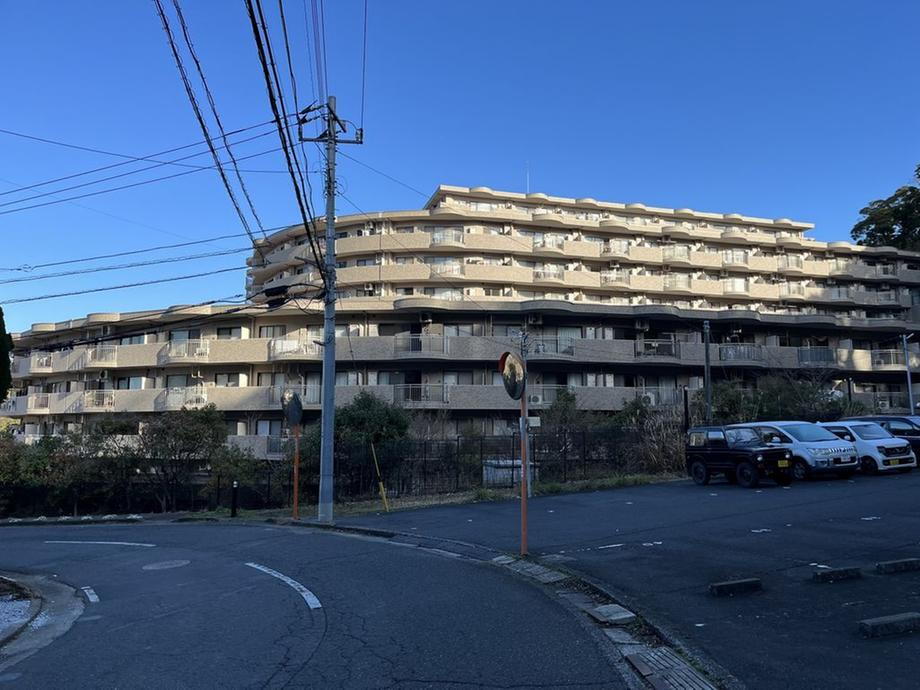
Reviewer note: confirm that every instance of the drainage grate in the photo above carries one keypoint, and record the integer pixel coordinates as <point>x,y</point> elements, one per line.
<point>664,670</point>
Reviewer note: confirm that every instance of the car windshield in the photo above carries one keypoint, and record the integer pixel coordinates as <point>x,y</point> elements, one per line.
<point>870,432</point>
<point>809,432</point>
<point>741,437</point>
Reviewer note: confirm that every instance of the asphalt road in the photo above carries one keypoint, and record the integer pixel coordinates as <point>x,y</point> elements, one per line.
<point>188,612</point>
<point>661,545</point>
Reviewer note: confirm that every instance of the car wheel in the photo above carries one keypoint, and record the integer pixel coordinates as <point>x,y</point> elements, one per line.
<point>868,465</point>
<point>747,475</point>
<point>800,470</point>
<point>783,479</point>
<point>699,472</point>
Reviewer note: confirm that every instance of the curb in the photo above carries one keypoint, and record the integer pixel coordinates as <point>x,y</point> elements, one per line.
<point>35,607</point>
<point>57,522</point>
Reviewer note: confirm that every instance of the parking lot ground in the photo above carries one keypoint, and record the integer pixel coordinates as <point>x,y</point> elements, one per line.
<point>661,546</point>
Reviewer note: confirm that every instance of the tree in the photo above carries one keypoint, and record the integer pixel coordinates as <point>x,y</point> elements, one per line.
<point>6,349</point>
<point>892,222</point>
<point>174,445</point>
<point>368,419</point>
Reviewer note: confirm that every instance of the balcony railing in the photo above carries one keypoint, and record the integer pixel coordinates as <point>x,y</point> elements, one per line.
<point>657,348</point>
<point>40,361</point>
<point>740,352</point>
<point>103,355</point>
<point>446,269</point>
<point>887,358</point>
<point>549,242</point>
<point>188,349</point>
<point>309,393</point>
<point>616,249</point>
<point>99,400</point>
<point>190,396</point>
<point>822,356</point>
<point>553,346</point>
<point>676,253</point>
<point>548,274</point>
<point>37,401</point>
<point>786,261</point>
<point>884,401</point>
<point>735,259</point>
<point>9,405</point>
<point>676,282</point>
<point>285,348</point>
<point>435,344</point>
<point>420,393</point>
<point>612,277</point>
<point>791,290</point>
<point>447,236</point>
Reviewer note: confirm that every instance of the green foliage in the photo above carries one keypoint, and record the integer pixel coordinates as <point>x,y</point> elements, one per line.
<point>369,419</point>
<point>777,397</point>
<point>6,348</point>
<point>892,222</point>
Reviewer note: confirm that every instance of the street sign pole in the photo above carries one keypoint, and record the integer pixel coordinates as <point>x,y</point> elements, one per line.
<point>524,477</point>
<point>293,413</point>
<point>514,376</point>
<point>296,493</point>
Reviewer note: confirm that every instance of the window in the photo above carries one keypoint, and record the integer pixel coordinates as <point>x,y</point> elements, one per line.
<point>715,436</point>
<point>809,432</point>
<point>228,380</point>
<point>458,329</point>
<point>341,235</point>
<point>347,378</point>
<point>133,383</point>
<point>270,379</point>
<point>341,264</point>
<point>405,291</point>
<point>132,340</point>
<point>185,334</point>
<point>229,333</point>
<point>900,427</point>
<point>268,427</point>
<point>177,381</point>
<point>272,331</point>
<point>697,439</point>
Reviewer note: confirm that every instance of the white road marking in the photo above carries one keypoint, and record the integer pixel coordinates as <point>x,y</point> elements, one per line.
<point>91,595</point>
<point>110,543</point>
<point>871,517</point>
<point>699,625</point>
<point>651,543</point>
<point>608,546</point>
<point>761,531</point>
<point>307,595</point>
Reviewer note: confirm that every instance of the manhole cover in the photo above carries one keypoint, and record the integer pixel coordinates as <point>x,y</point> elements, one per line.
<point>165,565</point>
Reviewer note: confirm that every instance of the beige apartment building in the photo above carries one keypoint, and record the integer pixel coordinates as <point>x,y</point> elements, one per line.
<point>613,297</point>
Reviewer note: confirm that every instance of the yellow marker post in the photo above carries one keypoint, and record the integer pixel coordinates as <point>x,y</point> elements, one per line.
<point>383,493</point>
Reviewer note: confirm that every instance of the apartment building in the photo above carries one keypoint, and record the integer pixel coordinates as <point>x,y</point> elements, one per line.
<point>613,298</point>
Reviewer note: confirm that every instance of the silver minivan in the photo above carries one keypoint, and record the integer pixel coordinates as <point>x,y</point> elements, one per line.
<point>815,450</point>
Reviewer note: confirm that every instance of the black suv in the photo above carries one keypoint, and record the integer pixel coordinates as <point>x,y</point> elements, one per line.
<point>902,426</point>
<point>739,454</point>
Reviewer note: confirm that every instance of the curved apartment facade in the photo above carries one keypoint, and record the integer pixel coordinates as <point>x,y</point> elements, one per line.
<point>613,297</point>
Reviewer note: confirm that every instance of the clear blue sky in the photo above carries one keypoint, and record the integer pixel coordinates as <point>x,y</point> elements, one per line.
<point>798,109</point>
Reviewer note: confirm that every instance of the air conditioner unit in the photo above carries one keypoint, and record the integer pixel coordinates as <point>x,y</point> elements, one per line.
<point>884,404</point>
<point>369,286</point>
<point>535,399</point>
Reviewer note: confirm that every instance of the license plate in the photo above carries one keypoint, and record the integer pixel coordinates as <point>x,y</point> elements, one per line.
<point>782,463</point>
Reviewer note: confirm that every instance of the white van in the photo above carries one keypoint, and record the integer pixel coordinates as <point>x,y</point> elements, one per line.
<point>878,450</point>
<point>815,450</point>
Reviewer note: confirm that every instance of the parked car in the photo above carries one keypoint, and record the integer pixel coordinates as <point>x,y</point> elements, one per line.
<point>739,454</point>
<point>902,426</point>
<point>878,450</point>
<point>815,450</point>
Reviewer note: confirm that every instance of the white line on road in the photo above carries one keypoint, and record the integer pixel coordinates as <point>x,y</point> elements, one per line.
<point>307,595</point>
<point>609,546</point>
<point>91,595</point>
<point>111,543</point>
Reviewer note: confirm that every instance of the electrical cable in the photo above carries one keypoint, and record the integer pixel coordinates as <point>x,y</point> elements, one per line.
<point>364,67</point>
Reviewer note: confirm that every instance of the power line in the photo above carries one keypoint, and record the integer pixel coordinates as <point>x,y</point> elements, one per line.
<point>152,158</point>
<point>318,51</point>
<point>214,112</point>
<point>73,293</point>
<point>193,101</point>
<point>28,267</point>
<point>322,17</point>
<point>119,267</point>
<point>389,177</point>
<point>195,168</point>
<point>126,186</point>
<point>364,66</point>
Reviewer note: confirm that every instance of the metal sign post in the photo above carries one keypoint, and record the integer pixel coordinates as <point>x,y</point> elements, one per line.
<point>293,413</point>
<point>514,375</point>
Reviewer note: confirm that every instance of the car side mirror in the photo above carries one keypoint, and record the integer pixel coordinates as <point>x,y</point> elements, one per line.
<point>847,437</point>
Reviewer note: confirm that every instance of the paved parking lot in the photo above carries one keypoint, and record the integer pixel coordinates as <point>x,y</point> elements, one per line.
<point>660,546</point>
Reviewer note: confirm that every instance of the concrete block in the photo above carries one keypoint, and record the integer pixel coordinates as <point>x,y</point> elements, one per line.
<point>836,574</point>
<point>904,565</point>
<point>612,614</point>
<point>884,626</point>
<point>730,588</point>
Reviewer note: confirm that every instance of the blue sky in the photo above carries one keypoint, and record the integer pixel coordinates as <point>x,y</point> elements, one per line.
<point>798,109</point>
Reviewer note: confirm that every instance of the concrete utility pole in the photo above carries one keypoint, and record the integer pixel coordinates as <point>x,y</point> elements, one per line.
<point>707,373</point>
<point>525,483</point>
<point>910,389</point>
<point>327,419</point>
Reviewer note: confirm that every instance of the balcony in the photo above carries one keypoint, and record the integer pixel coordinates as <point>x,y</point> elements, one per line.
<point>676,254</point>
<point>40,363</point>
<point>186,351</point>
<point>543,346</point>
<point>740,352</point>
<point>420,344</point>
<point>614,278</point>
<point>790,263</point>
<point>620,249</point>
<point>677,283</point>
<point>440,269</point>
<point>735,259</point>
<point>887,358</point>
<point>177,398</point>
<point>284,348</point>
<point>549,243</point>
<point>421,395</point>
<point>657,348</point>
<point>549,274</point>
<point>447,237</point>
<point>103,355</point>
<point>310,394</point>
<point>817,356</point>
<point>98,401</point>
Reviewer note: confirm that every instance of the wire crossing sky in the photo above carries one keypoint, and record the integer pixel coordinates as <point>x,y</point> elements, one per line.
<point>803,110</point>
